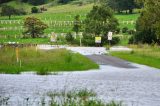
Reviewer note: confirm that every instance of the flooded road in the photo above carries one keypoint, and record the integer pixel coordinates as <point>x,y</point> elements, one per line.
<point>134,87</point>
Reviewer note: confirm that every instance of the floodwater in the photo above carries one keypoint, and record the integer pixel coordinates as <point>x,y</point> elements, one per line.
<point>134,87</point>
<point>138,86</point>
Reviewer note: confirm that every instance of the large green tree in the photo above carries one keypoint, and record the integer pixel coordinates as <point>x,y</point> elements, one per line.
<point>148,24</point>
<point>34,27</point>
<point>100,20</point>
<point>7,11</point>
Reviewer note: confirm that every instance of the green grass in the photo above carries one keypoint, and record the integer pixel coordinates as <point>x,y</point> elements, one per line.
<point>82,97</point>
<point>26,41</point>
<point>59,13</point>
<point>42,62</point>
<point>142,54</point>
<point>124,39</point>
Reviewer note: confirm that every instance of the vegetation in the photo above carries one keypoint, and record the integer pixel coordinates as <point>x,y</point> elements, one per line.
<point>142,54</point>
<point>77,24</point>
<point>34,10</point>
<point>82,97</point>
<point>100,20</point>
<point>122,5</point>
<point>34,26</point>
<point>43,62</point>
<point>7,11</point>
<point>148,24</point>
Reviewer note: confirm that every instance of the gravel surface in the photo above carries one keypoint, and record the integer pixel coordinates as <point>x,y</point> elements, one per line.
<point>138,86</point>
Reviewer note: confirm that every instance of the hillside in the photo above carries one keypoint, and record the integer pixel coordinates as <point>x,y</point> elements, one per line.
<point>58,17</point>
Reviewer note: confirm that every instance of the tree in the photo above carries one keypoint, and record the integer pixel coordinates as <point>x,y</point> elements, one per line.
<point>148,24</point>
<point>34,10</point>
<point>100,20</point>
<point>4,1</point>
<point>77,24</point>
<point>64,1</point>
<point>122,5</point>
<point>34,26</point>
<point>7,11</point>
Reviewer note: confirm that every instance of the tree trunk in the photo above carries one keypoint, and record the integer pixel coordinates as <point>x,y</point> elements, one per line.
<point>33,35</point>
<point>9,17</point>
<point>130,11</point>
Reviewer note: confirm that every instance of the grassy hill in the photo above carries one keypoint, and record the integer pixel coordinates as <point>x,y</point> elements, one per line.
<point>59,18</point>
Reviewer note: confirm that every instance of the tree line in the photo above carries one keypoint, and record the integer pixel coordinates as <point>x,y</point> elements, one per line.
<point>122,5</point>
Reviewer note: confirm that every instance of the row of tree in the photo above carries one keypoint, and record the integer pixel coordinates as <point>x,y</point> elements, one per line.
<point>122,5</point>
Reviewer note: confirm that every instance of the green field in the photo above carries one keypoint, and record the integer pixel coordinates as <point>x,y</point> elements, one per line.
<point>42,61</point>
<point>59,19</point>
<point>142,54</point>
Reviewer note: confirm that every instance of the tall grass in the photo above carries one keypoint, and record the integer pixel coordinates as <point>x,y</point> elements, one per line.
<point>78,98</point>
<point>142,54</point>
<point>42,62</point>
<point>82,97</point>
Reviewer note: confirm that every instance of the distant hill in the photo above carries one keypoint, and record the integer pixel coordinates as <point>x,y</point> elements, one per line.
<point>41,2</point>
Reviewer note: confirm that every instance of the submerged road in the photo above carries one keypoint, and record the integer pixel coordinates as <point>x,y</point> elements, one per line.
<point>119,80</point>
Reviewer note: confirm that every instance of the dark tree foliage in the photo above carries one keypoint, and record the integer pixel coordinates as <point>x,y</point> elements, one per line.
<point>122,5</point>
<point>34,10</point>
<point>7,11</point>
<point>4,1</point>
<point>77,24</point>
<point>100,20</point>
<point>64,1</point>
<point>148,24</point>
<point>37,2</point>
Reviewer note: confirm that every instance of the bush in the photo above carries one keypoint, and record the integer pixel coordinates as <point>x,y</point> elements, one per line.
<point>146,36</point>
<point>118,30</point>
<point>34,10</point>
<point>131,40</point>
<point>114,41</point>
<point>131,32</point>
<point>88,40</point>
<point>20,11</point>
<point>124,30</point>
<point>69,37</point>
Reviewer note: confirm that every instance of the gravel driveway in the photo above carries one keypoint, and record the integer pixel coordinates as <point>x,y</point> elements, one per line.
<point>138,85</point>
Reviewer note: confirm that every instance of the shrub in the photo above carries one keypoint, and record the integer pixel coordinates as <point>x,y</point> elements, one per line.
<point>114,41</point>
<point>118,30</point>
<point>124,30</point>
<point>34,10</point>
<point>20,11</point>
<point>69,37</point>
<point>88,40</point>
<point>131,40</point>
<point>131,32</point>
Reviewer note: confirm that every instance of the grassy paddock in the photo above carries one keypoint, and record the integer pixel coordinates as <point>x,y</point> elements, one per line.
<point>57,18</point>
<point>43,62</point>
<point>142,54</point>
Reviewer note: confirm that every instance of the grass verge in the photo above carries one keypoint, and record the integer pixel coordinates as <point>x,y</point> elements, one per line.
<point>141,54</point>
<point>41,61</point>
